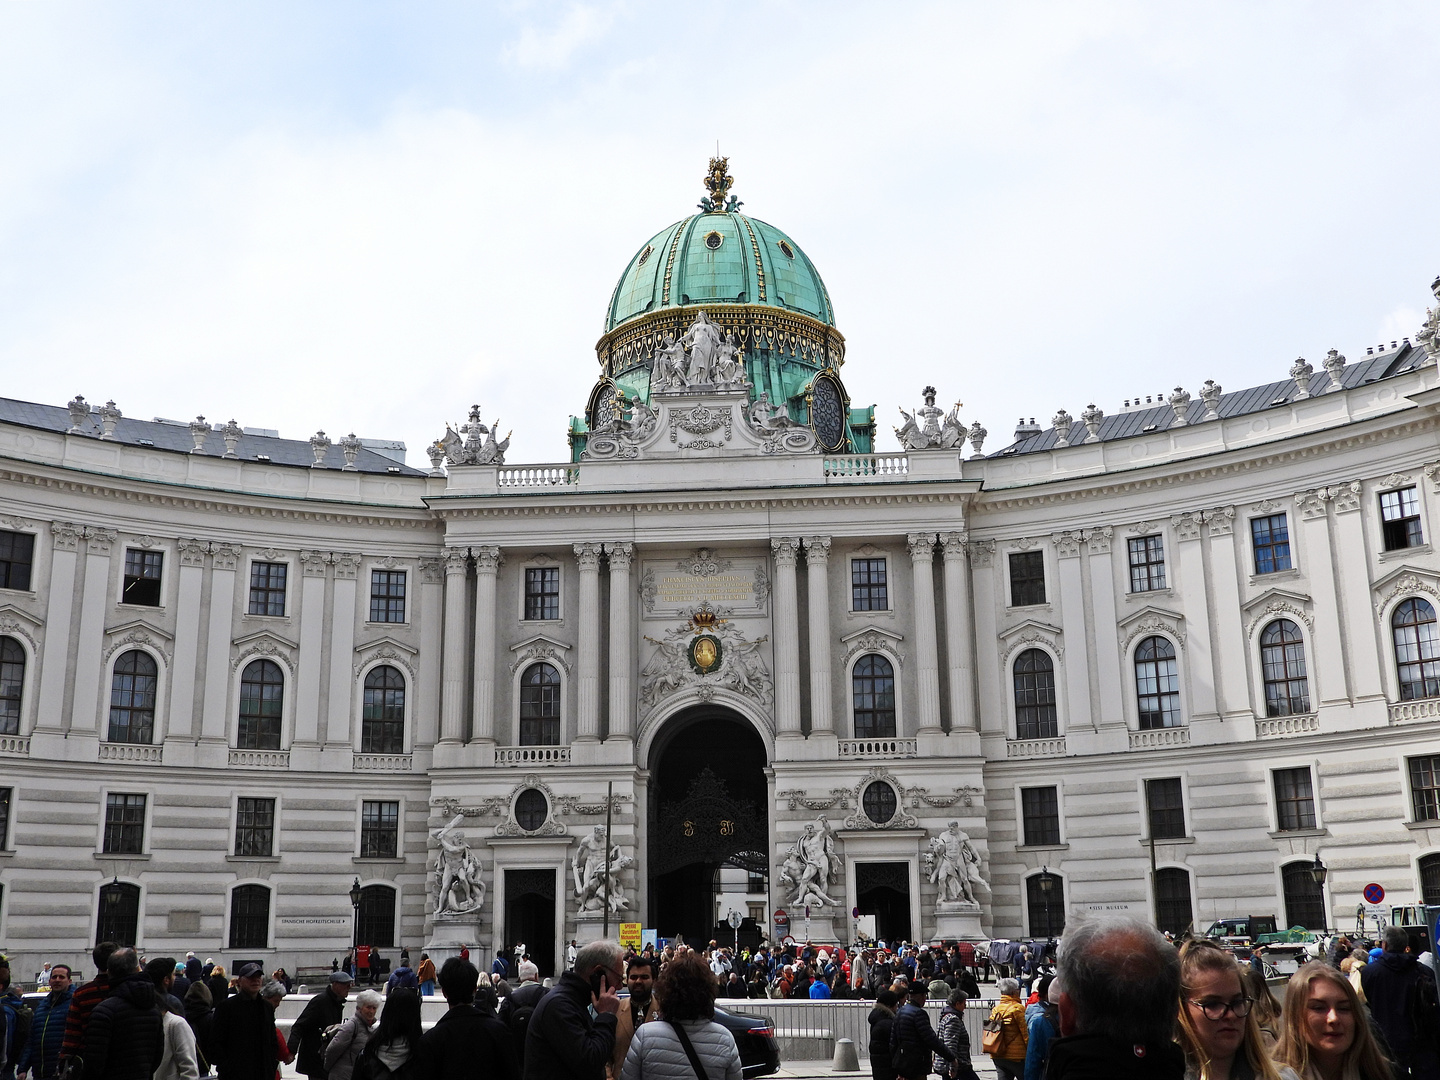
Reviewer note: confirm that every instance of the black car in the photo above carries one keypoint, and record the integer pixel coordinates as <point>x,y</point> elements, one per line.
<point>755,1037</point>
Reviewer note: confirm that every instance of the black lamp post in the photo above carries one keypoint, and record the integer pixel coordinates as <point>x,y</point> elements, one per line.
<point>1046,884</point>
<point>1319,871</point>
<point>355,923</point>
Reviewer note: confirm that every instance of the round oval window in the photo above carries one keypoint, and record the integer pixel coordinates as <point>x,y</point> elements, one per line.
<point>531,809</point>
<point>787,250</point>
<point>878,802</point>
<point>713,240</point>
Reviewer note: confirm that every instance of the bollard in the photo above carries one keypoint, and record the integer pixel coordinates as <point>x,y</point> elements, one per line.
<point>846,1059</point>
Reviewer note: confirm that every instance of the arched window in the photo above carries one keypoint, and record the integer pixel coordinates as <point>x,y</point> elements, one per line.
<point>1157,683</point>
<point>132,698</point>
<point>1172,900</point>
<point>1282,659</point>
<point>376,918</point>
<point>1045,898</point>
<point>873,684</point>
<point>1304,899</point>
<point>262,700</point>
<point>1417,649</point>
<point>1035,696</point>
<point>250,917</point>
<point>12,680</point>
<point>1430,879</point>
<point>119,918</point>
<point>382,726</point>
<point>540,706</point>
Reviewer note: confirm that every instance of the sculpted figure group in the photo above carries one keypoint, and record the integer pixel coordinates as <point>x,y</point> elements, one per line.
<point>714,358</point>
<point>593,889</point>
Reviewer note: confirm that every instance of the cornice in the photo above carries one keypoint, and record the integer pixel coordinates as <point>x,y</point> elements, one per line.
<point>663,502</point>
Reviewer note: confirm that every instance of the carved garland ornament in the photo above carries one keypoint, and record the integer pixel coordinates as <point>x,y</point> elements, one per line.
<point>860,820</point>
<point>270,650</point>
<point>1033,636</point>
<point>138,637</point>
<point>387,654</point>
<point>874,641</point>
<point>1405,585</point>
<point>1152,624</point>
<point>540,650</point>
<point>737,664</point>
<point>796,799</point>
<point>701,420</point>
<point>550,827</point>
<point>11,626</point>
<point>1278,609</point>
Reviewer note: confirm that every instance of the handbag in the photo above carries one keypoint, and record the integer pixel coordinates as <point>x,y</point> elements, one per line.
<point>994,1034</point>
<point>689,1049</point>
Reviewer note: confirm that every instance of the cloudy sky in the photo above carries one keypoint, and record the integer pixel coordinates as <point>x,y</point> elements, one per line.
<point>366,216</point>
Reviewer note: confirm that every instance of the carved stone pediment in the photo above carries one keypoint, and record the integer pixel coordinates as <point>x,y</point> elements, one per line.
<point>1277,604</point>
<point>1031,632</point>
<point>540,647</point>
<point>265,644</point>
<point>136,632</point>
<point>873,639</point>
<point>699,421</point>
<point>389,650</point>
<point>1404,581</point>
<point>1151,620</point>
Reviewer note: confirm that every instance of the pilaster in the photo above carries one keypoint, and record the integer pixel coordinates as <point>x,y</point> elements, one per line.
<point>1071,588</point>
<point>587,689</point>
<point>622,698</point>
<point>1106,658</point>
<point>345,568</point>
<point>959,646</point>
<point>452,664</point>
<point>86,703</point>
<point>55,655</point>
<point>312,636</point>
<point>487,568</point>
<point>1352,567</point>
<point>787,634</point>
<point>1199,664</point>
<point>927,662</point>
<point>817,558</point>
<point>190,582</point>
<point>223,559</point>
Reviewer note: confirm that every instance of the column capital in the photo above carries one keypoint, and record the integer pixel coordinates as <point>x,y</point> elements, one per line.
<point>1067,542</point>
<point>454,561</point>
<point>981,553</point>
<point>1186,526</point>
<point>785,549</point>
<point>588,556</point>
<point>312,563</point>
<point>953,544</point>
<point>487,558</point>
<point>98,540</point>
<point>922,546</point>
<point>1346,497</point>
<point>817,550</point>
<point>430,571</point>
<point>66,535</point>
<point>621,553</point>
<point>192,551</point>
<point>224,556</point>
<point>1220,521</point>
<point>346,563</point>
<point>1098,540</point>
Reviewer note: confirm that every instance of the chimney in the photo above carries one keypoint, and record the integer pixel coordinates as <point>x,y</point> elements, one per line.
<point>1025,430</point>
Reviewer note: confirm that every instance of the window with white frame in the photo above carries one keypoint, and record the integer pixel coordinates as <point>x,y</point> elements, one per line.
<point>1034,679</point>
<point>249,917</point>
<point>1294,799</point>
<point>124,824</point>
<point>1040,816</point>
<point>133,685</point>
<point>267,588</point>
<point>382,719</point>
<point>387,596</point>
<point>1417,649</point>
<point>542,592</point>
<point>873,693</point>
<point>1425,788</point>
<point>1282,664</point>
<point>1157,683</point>
<point>255,827</point>
<point>142,577</point>
<point>869,585</point>
<point>1400,519</point>
<point>1147,563</point>
<point>12,685</point>
<point>379,829</point>
<point>17,558</point>
<point>1165,808</point>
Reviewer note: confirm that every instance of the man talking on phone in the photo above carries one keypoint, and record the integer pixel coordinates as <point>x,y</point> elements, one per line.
<point>564,1041</point>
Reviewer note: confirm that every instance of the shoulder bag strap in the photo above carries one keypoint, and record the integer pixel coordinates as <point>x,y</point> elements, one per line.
<point>689,1050</point>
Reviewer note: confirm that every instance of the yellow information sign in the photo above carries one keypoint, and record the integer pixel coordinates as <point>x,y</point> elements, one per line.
<point>630,935</point>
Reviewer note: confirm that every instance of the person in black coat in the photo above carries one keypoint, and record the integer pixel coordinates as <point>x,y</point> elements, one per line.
<point>882,1021</point>
<point>322,1010</point>
<point>1392,989</point>
<point>914,1036</point>
<point>563,1042</point>
<point>242,1032</point>
<point>465,1042</point>
<point>125,1038</point>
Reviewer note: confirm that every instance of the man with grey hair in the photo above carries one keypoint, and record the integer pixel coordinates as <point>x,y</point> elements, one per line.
<point>563,1042</point>
<point>1120,991</point>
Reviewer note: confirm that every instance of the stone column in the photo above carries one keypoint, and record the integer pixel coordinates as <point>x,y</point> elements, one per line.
<point>214,726</point>
<point>429,613</point>
<point>786,638</point>
<point>312,645</point>
<point>1070,589</point>
<point>1106,658</point>
<point>187,639</point>
<point>487,568</point>
<point>622,698</point>
<point>958,645</point>
<point>93,602</point>
<point>1192,588</point>
<point>988,601</point>
<point>343,613</point>
<point>927,662</point>
<point>587,689</point>
<point>1351,569</point>
<point>1232,677</point>
<point>55,653</point>
<point>452,676</point>
<point>817,558</point>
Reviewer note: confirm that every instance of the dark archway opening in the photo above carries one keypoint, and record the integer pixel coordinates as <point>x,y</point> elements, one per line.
<point>530,917</point>
<point>707,821</point>
<point>883,890</point>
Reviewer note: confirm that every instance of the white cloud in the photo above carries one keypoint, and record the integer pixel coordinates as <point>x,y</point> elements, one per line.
<point>552,48</point>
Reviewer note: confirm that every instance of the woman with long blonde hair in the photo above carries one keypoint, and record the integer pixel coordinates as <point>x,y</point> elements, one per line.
<point>1325,1034</point>
<point>1218,1027</point>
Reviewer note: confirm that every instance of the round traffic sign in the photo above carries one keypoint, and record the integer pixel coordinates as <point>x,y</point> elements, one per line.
<point>735,920</point>
<point>854,912</point>
<point>1374,893</point>
<point>781,919</point>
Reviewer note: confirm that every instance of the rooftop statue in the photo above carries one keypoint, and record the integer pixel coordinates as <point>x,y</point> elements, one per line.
<point>930,433</point>
<point>718,182</point>
<point>472,450</point>
<point>704,339</point>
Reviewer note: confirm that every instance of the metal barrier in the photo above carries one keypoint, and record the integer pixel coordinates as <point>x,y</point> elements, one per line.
<point>807,1029</point>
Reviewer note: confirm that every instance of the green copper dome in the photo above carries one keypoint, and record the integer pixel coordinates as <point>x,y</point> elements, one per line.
<point>719,258</point>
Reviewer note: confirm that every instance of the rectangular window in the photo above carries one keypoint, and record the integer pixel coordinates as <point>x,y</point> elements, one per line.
<point>1027,578</point>
<point>1271,538</point>
<point>542,592</point>
<point>869,589</point>
<point>5,794</point>
<point>1147,563</point>
<point>17,556</point>
<point>142,577</point>
<point>267,588</point>
<point>1424,788</point>
<point>124,824</point>
<point>387,596</point>
<point>255,827</point>
<point>379,830</point>
<point>1040,813</point>
<point>1165,806</point>
<point>1294,799</point>
<point>1400,519</point>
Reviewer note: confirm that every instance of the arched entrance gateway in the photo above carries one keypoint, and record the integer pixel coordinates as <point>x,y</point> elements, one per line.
<point>708,829</point>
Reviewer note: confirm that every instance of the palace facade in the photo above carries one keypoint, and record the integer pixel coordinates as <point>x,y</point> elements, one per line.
<point>1161,660</point>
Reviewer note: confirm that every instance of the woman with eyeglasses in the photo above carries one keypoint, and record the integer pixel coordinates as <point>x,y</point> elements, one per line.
<point>1217,1028</point>
<point>1326,1034</point>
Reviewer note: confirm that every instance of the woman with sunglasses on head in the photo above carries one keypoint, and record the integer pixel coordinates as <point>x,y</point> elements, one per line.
<point>1326,1033</point>
<point>1218,1028</point>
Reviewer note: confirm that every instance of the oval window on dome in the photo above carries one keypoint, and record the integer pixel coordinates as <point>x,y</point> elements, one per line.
<point>713,240</point>
<point>787,250</point>
<point>879,802</point>
<point>645,255</point>
<point>531,809</point>
<point>827,412</point>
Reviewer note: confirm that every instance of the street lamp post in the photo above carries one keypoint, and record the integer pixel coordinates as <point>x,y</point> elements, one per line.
<point>355,921</point>
<point>1319,871</point>
<point>1045,886</point>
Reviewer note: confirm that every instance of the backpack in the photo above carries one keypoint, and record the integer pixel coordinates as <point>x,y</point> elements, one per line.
<point>1423,1005</point>
<point>327,1037</point>
<point>22,1017</point>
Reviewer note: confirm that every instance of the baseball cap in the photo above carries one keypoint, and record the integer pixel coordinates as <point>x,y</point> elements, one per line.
<point>249,971</point>
<point>340,977</point>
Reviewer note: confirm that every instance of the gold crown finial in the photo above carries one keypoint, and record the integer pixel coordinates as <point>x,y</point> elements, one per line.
<point>718,182</point>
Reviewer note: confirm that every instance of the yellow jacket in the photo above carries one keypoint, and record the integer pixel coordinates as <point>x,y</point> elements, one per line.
<point>1014,1038</point>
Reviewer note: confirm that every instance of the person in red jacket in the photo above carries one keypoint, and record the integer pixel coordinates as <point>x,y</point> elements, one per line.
<point>83,1003</point>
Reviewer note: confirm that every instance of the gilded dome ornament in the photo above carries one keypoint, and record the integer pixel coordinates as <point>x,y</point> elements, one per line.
<point>718,182</point>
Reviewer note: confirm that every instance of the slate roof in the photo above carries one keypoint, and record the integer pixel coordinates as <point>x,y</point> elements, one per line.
<point>1253,400</point>
<point>176,438</point>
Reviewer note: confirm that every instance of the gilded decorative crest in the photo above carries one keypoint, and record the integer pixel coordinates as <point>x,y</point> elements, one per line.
<point>718,182</point>
<point>705,653</point>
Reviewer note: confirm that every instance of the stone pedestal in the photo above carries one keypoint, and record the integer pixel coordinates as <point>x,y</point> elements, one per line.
<point>449,932</point>
<point>821,928</point>
<point>958,921</point>
<point>590,926</point>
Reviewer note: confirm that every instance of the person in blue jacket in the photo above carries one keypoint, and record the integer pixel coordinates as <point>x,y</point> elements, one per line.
<point>41,1054</point>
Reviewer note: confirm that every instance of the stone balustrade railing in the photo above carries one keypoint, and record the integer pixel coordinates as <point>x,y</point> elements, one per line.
<point>1155,737</point>
<point>1032,748</point>
<point>383,763</point>
<point>532,755</point>
<point>15,745</point>
<point>879,748</point>
<point>133,752</point>
<point>541,476</point>
<point>1403,711</point>
<point>867,466</point>
<point>261,759</point>
<point>1270,727</point>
